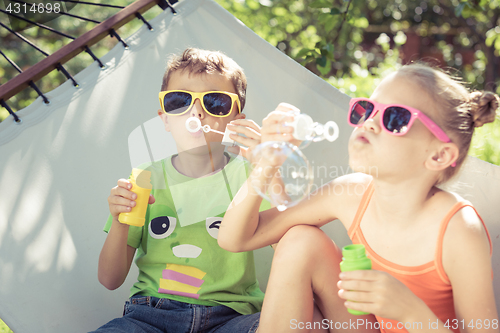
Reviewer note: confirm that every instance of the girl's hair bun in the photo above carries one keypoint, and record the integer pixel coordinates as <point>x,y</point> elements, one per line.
<point>483,107</point>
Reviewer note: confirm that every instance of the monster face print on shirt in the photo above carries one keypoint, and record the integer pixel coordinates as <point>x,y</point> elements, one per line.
<point>188,236</point>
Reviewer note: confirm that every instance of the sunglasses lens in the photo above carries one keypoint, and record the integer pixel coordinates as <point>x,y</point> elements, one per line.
<point>360,111</point>
<point>396,119</point>
<point>218,104</point>
<point>176,102</point>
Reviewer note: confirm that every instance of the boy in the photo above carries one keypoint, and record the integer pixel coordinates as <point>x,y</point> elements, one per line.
<point>186,282</point>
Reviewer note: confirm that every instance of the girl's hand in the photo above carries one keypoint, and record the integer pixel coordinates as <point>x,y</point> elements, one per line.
<point>252,132</point>
<point>274,127</point>
<point>378,293</point>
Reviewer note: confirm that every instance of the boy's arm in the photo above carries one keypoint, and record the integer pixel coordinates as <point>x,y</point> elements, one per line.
<point>116,256</point>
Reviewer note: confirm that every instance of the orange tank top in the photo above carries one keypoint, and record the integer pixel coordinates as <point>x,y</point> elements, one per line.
<point>428,281</point>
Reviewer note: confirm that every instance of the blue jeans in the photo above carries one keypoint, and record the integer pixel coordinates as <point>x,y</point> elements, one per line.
<point>146,314</point>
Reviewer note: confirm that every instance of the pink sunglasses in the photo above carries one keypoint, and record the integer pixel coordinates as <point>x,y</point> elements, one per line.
<point>394,119</point>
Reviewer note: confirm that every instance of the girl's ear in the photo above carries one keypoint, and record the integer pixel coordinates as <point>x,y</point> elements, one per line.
<point>164,119</point>
<point>443,157</point>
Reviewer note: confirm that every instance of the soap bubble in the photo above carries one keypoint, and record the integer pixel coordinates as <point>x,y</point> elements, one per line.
<point>294,179</point>
<point>295,174</point>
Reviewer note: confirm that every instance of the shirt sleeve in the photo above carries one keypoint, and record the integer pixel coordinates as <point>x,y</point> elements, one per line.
<point>108,224</point>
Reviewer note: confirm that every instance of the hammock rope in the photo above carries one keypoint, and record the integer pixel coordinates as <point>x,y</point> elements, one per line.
<point>113,33</point>
<point>67,74</point>
<point>31,83</point>
<point>139,16</point>
<point>24,39</point>
<point>61,13</point>
<point>12,113</point>
<point>93,4</point>
<point>87,49</point>
<point>37,24</point>
<point>163,4</point>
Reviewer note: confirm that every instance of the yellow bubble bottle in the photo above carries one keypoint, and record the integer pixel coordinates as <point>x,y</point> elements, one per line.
<point>141,185</point>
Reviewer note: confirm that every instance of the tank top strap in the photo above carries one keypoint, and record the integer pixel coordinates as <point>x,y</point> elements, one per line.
<point>365,200</point>
<point>442,229</point>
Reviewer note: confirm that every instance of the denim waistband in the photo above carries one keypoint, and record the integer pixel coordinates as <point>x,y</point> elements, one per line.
<point>185,317</point>
<point>158,303</point>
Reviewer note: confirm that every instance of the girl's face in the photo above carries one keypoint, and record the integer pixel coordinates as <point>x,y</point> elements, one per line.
<point>375,151</point>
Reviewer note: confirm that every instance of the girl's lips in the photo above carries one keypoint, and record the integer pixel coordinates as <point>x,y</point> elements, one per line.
<point>363,138</point>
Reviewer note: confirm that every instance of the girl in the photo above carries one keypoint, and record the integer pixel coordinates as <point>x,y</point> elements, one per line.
<point>430,250</point>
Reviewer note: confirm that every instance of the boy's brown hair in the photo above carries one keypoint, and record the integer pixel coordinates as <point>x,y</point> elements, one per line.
<point>198,61</point>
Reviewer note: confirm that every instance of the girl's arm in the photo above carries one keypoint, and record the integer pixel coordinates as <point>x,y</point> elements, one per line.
<point>467,262</point>
<point>251,139</point>
<point>244,228</point>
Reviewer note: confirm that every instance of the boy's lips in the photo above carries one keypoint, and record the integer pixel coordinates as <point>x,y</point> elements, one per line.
<point>196,134</point>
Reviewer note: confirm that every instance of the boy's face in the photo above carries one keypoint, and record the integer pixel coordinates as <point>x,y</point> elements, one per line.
<point>184,80</point>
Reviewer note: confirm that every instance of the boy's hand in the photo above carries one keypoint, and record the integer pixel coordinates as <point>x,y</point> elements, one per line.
<point>252,132</point>
<point>274,127</point>
<point>121,199</point>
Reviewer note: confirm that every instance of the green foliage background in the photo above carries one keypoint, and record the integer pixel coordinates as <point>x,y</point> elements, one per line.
<point>4,328</point>
<point>349,43</point>
<point>352,43</point>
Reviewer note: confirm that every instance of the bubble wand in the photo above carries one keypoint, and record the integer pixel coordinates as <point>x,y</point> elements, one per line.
<point>193,125</point>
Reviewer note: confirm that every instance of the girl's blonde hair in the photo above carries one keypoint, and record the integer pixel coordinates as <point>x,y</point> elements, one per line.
<point>460,111</point>
<point>197,61</point>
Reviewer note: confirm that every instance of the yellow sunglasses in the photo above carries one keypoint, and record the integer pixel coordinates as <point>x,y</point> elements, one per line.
<point>216,103</point>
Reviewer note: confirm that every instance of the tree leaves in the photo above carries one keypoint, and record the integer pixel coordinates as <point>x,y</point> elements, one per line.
<point>459,9</point>
<point>321,4</point>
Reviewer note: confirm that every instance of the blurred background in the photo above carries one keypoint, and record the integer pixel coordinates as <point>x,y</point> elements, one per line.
<point>351,43</point>
<point>348,43</point>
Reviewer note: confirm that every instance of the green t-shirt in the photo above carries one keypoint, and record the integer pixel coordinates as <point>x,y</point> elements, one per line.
<point>177,252</point>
